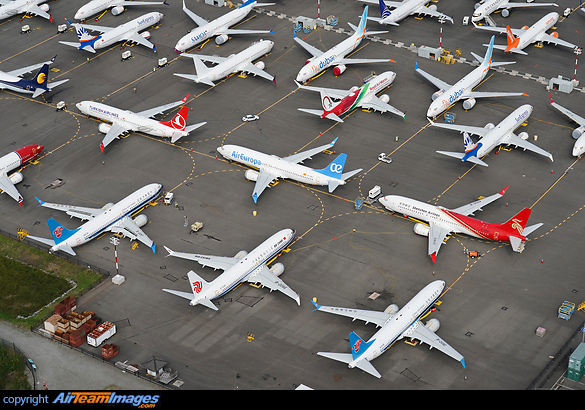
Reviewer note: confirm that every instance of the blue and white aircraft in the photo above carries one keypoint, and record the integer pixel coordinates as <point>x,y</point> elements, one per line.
<point>117,218</point>
<point>244,267</point>
<point>11,80</point>
<point>336,55</point>
<point>463,89</point>
<point>110,35</point>
<point>271,167</point>
<point>395,324</point>
<point>402,9</point>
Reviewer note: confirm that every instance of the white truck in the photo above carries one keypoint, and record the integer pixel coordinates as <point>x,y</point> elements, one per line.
<point>104,331</point>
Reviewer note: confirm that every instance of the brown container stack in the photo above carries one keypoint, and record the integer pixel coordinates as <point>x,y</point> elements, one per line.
<point>65,305</point>
<point>109,351</point>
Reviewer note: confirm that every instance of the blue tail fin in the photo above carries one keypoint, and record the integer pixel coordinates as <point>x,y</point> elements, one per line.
<point>487,61</point>
<point>384,10</point>
<point>335,169</point>
<point>40,80</point>
<point>362,27</point>
<point>358,346</point>
<point>59,232</point>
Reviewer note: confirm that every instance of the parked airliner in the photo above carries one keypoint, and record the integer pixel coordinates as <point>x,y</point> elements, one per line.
<point>519,39</point>
<point>463,89</point>
<point>491,136</point>
<point>242,61</point>
<point>489,6</point>
<point>12,161</point>
<point>11,80</point>
<point>116,218</point>
<point>244,267</point>
<point>442,222</point>
<point>219,27</point>
<point>9,8</point>
<point>125,121</point>
<point>271,167</point>
<point>395,324</point>
<point>391,12</point>
<point>356,97</point>
<point>336,55</point>
<point>117,6</point>
<point>578,133</point>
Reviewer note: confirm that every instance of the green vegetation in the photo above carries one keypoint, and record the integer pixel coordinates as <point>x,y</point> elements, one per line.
<point>12,375</point>
<point>32,278</point>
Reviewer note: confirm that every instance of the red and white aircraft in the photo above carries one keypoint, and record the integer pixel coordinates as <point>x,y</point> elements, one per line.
<point>442,222</point>
<point>364,96</point>
<point>12,161</point>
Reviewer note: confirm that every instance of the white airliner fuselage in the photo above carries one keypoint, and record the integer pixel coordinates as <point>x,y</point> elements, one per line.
<point>12,8</point>
<point>96,6</point>
<point>489,6</point>
<point>404,9</point>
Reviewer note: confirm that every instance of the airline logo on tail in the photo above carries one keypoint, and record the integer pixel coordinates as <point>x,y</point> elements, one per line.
<point>179,121</point>
<point>384,9</point>
<point>512,41</point>
<point>42,77</point>
<point>334,169</point>
<point>197,286</point>
<point>517,224</point>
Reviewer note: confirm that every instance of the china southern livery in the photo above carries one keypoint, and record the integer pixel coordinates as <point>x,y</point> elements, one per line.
<point>124,121</point>
<point>244,267</point>
<point>336,56</point>
<point>117,6</point>
<point>484,10</point>
<point>242,61</point>
<point>442,222</point>
<point>116,218</point>
<point>11,80</point>
<point>463,89</point>
<point>110,35</point>
<point>391,12</point>
<point>519,39</point>
<point>491,136</point>
<point>356,97</point>
<point>578,133</point>
<point>271,167</point>
<point>218,27</point>
<point>395,324</point>
<point>9,8</point>
<point>12,161</point>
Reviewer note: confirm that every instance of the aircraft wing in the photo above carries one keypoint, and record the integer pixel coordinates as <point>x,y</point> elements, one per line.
<point>127,227</point>
<point>186,295</point>
<point>487,94</point>
<point>513,139</point>
<point>481,131</point>
<point>470,208</point>
<point>8,187</point>
<point>510,5</point>
<point>198,20</point>
<point>501,30</point>
<point>252,69</point>
<point>37,11</point>
<point>331,92</point>
<point>301,156</point>
<point>212,59</point>
<point>19,72</point>
<point>425,335</point>
<point>138,39</point>
<point>368,316</point>
<point>437,236</point>
<point>240,31</point>
<point>376,104</point>
<point>314,51</point>
<point>159,110</point>
<point>362,60</point>
<point>427,11</point>
<point>557,41</point>
<point>440,84</point>
<point>83,213</point>
<point>266,278</point>
<point>215,262</point>
<point>114,132</point>
<point>391,4</point>
<point>101,29</point>
<point>264,179</point>
<point>578,119</point>
<point>137,3</point>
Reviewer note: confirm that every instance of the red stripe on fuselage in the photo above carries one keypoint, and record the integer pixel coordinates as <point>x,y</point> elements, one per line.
<point>481,229</point>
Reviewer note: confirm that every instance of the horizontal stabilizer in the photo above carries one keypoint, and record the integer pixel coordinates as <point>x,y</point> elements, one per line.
<point>38,91</point>
<point>505,48</point>
<point>347,175</point>
<point>461,156</point>
<point>195,126</point>
<point>46,241</point>
<point>71,44</point>
<point>310,111</point>
<point>517,244</point>
<point>364,365</point>
<point>332,184</point>
<point>56,84</point>
<point>529,229</point>
<point>195,78</point>
<point>494,63</point>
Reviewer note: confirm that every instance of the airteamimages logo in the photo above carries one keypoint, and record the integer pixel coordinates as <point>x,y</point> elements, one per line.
<point>143,401</point>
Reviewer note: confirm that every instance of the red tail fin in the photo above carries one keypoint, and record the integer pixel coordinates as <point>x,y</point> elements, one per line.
<point>179,121</point>
<point>518,222</point>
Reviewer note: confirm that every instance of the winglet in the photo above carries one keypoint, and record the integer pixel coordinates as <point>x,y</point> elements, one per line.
<point>317,306</point>
<point>102,146</point>
<point>185,99</point>
<point>462,361</point>
<point>39,201</point>
<point>415,65</point>
<point>503,191</point>
<point>334,141</point>
<point>168,250</point>
<point>551,100</point>
<point>255,197</point>
<point>53,60</point>
<point>153,247</point>
<point>433,256</point>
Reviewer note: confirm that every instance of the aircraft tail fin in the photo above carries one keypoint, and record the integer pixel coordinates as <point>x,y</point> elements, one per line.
<point>40,80</point>
<point>384,10</point>
<point>519,221</point>
<point>467,142</point>
<point>198,285</point>
<point>510,36</point>
<point>335,168</point>
<point>59,232</point>
<point>179,121</point>
<point>464,156</point>
<point>487,60</point>
<point>361,29</point>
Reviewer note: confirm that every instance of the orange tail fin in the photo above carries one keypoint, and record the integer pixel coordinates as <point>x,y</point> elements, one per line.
<point>512,41</point>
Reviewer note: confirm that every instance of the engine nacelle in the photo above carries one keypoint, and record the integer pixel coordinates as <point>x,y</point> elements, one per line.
<point>433,325</point>
<point>44,7</point>
<point>16,177</point>
<point>437,94</point>
<point>524,28</point>
<point>116,11</point>
<point>222,38</point>
<point>145,35</point>
<point>433,7</point>
<point>555,34</point>
<point>393,308</point>
<point>108,206</point>
<point>505,13</point>
<point>490,126</point>
<point>277,269</point>
<point>251,175</point>
<point>421,229</point>
<point>524,135</point>
<point>241,255</point>
<point>260,65</point>
<point>339,69</point>
<point>577,132</point>
<point>385,98</point>
<point>354,88</point>
<point>140,220</point>
<point>104,128</point>
<point>469,103</point>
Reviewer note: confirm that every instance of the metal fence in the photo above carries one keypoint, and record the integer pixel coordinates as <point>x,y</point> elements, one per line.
<point>28,362</point>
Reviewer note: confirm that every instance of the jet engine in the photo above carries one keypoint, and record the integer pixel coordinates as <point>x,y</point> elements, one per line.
<point>523,135</point>
<point>393,308</point>
<point>145,35</point>
<point>489,126</point>
<point>421,229</point>
<point>140,220</point>
<point>437,94</point>
<point>277,269</point>
<point>469,103</point>
<point>555,34</point>
<point>15,177</point>
<point>309,60</point>
<point>339,69</point>
<point>433,325</point>
<point>385,98</point>
<point>251,175</point>
<point>577,132</point>
<point>354,88</point>
<point>108,206</point>
<point>241,255</point>
<point>260,65</point>
<point>524,28</point>
<point>505,13</point>
<point>117,10</point>
<point>44,7</point>
<point>433,7</point>
<point>222,38</point>
<point>104,128</point>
